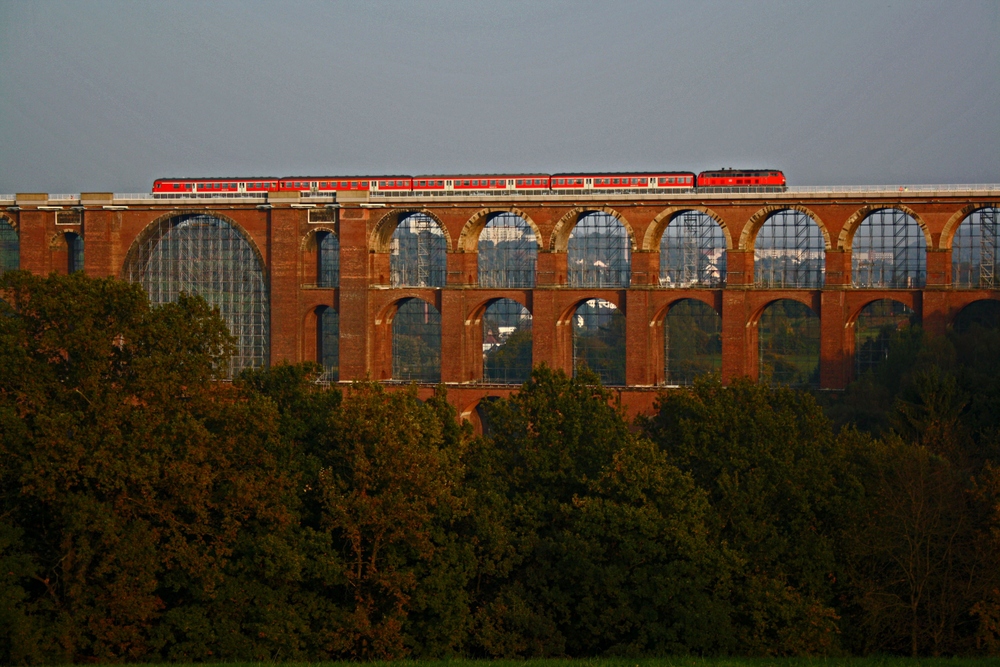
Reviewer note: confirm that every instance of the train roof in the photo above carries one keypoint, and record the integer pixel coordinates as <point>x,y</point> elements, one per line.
<point>727,170</point>
<point>219,178</point>
<point>620,173</point>
<point>502,175</point>
<point>329,177</point>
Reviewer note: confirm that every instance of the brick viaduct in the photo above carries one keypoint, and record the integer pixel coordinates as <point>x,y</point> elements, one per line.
<point>282,227</point>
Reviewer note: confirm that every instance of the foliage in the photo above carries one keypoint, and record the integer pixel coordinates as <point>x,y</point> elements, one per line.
<point>773,474</point>
<point>589,541</point>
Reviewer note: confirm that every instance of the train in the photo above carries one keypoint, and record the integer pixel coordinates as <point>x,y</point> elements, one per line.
<point>637,182</point>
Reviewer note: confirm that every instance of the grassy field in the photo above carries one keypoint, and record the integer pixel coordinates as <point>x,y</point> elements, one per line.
<point>882,661</point>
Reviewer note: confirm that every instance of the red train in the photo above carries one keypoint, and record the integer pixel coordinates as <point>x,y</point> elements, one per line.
<point>677,181</point>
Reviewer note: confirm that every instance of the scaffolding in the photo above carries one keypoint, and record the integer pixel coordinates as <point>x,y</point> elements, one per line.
<point>789,252</point>
<point>328,343</point>
<point>328,259</point>
<point>416,342</point>
<point>692,342</point>
<point>599,341</point>
<point>10,248</point>
<point>874,331</point>
<point>506,343</point>
<point>74,247</point>
<point>203,255</point>
<point>418,253</point>
<point>508,252</point>
<point>788,335</point>
<point>693,252</point>
<point>974,251</point>
<point>598,252</point>
<point>889,250</point>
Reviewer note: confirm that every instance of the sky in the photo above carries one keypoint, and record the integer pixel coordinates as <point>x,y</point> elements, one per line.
<point>107,96</point>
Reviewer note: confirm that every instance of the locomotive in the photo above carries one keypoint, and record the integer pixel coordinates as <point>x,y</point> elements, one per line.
<point>633,182</point>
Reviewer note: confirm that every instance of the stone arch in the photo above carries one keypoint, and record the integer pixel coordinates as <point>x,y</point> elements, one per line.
<point>691,340</point>
<point>790,296</point>
<point>846,239</point>
<point>905,298</point>
<point>566,316</point>
<point>870,340</point>
<point>468,239</point>
<point>475,313</point>
<point>308,242</point>
<point>246,310</point>
<point>153,226</point>
<point>966,316</point>
<point>381,236</point>
<point>794,360</point>
<point>416,341</point>
<point>951,227</point>
<point>388,311</point>
<point>749,235</point>
<point>654,232</point>
<point>10,221</point>
<point>559,241</point>
<point>661,312</point>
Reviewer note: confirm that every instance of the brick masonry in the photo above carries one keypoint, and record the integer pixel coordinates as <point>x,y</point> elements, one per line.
<point>284,236</point>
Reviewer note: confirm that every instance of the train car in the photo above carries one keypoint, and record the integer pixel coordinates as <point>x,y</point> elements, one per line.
<point>220,185</point>
<point>392,184</point>
<point>652,181</point>
<point>741,178</point>
<point>321,184</point>
<point>432,183</point>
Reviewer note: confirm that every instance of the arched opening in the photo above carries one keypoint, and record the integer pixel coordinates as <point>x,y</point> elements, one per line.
<point>874,330</point>
<point>418,253</point>
<point>327,259</point>
<point>599,340</point>
<point>789,252</point>
<point>10,247</point>
<point>599,250</point>
<point>984,314</point>
<point>692,341</point>
<point>205,255</point>
<point>74,252</point>
<point>506,343</point>
<point>692,252</point>
<point>416,342</point>
<point>974,259</point>
<point>889,250</point>
<point>508,252</point>
<point>328,343</point>
<point>788,335</point>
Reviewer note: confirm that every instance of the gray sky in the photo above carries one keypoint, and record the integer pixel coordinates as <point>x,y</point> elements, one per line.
<point>99,96</point>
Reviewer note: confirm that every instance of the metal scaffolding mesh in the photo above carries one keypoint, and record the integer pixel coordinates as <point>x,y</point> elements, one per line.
<point>10,248</point>
<point>418,253</point>
<point>693,252</point>
<point>974,250</point>
<point>984,313</point>
<point>599,340</point>
<point>789,252</point>
<point>599,248</point>
<point>889,250</point>
<point>328,258</point>
<point>200,254</point>
<point>508,252</point>
<point>874,330</point>
<point>788,335</point>
<point>416,342</point>
<point>692,341</point>
<point>328,343</point>
<point>74,247</point>
<point>506,343</point>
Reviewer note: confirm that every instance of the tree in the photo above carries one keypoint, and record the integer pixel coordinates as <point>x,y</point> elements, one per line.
<point>774,477</point>
<point>126,475</point>
<point>588,541</point>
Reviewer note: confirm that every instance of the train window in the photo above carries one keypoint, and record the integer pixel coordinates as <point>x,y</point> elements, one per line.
<point>519,182</point>
<point>354,184</point>
<point>177,186</point>
<point>364,184</point>
<point>187,187</point>
<point>493,184</point>
<point>615,181</point>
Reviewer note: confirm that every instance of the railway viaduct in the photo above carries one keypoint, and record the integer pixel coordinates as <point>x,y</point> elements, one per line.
<point>282,229</point>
